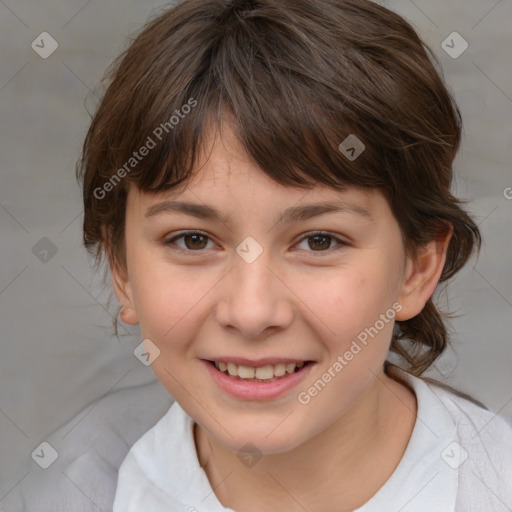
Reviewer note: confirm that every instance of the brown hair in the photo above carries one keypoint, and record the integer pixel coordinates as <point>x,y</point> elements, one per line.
<point>297,77</point>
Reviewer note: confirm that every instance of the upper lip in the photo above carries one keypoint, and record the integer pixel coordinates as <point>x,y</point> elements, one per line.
<point>257,363</point>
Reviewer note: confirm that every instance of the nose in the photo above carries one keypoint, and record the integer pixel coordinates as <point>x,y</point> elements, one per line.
<point>255,299</point>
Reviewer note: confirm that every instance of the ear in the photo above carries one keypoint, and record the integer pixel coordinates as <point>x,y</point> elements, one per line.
<point>122,287</point>
<point>422,275</point>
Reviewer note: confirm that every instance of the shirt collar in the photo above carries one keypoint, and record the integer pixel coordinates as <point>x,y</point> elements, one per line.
<point>426,478</point>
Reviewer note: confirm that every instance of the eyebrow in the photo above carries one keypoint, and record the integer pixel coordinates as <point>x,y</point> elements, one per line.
<point>292,214</point>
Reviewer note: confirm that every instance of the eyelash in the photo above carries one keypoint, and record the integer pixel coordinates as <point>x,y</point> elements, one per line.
<point>169,242</point>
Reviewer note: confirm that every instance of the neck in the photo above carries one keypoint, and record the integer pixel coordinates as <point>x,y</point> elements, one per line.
<point>345,464</point>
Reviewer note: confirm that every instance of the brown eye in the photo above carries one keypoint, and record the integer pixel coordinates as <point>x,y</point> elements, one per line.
<point>194,241</point>
<point>321,242</point>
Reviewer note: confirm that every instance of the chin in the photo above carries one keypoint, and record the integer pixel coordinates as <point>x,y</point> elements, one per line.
<point>257,440</point>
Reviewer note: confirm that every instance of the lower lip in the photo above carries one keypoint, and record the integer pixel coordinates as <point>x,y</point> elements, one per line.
<point>250,390</point>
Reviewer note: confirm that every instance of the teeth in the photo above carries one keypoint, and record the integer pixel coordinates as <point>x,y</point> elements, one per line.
<point>265,372</point>
<point>244,372</point>
<point>279,369</point>
<point>262,373</point>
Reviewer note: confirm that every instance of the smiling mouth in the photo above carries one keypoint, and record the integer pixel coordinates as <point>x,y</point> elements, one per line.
<point>266,373</point>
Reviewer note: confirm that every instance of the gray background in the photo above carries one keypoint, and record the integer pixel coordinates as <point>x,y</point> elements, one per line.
<point>58,356</point>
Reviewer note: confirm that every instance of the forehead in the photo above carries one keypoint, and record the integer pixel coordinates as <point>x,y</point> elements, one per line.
<point>230,206</point>
<point>226,180</point>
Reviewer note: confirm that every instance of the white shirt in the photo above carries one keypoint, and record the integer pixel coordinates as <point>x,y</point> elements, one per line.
<point>459,459</point>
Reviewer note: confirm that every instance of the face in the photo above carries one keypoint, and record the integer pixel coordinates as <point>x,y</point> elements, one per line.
<point>263,288</point>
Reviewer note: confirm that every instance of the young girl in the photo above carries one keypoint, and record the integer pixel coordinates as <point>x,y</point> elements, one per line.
<point>270,183</point>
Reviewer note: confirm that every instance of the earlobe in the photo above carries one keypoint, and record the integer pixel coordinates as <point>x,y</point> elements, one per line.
<point>123,291</point>
<point>121,284</point>
<point>422,276</point>
<point>128,316</point>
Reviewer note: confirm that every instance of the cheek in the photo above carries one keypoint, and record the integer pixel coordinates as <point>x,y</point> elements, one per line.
<point>349,300</point>
<point>168,301</point>
<point>170,307</point>
<point>357,308</point>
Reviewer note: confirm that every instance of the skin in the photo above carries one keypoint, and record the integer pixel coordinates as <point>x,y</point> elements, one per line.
<point>299,299</point>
